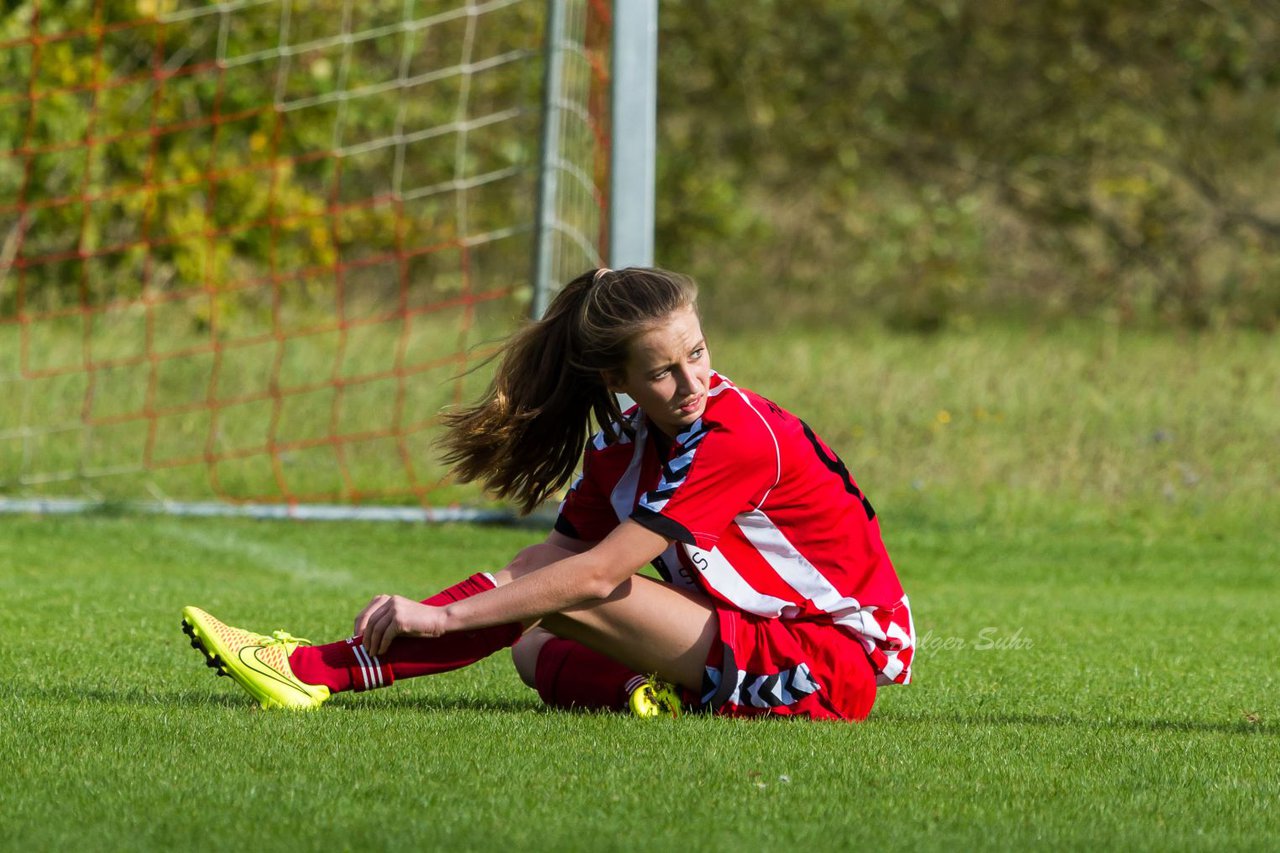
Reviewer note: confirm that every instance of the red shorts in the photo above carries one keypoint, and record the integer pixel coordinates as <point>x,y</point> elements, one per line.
<point>775,666</point>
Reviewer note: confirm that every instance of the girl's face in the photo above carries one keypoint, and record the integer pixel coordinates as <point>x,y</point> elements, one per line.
<point>668,371</point>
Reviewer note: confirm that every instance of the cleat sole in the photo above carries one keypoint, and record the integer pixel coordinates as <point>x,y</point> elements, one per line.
<point>210,660</point>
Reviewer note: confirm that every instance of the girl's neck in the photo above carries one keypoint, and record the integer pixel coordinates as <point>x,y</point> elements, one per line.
<point>661,441</point>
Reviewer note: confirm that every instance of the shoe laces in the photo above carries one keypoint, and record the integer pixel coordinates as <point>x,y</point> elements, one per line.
<point>284,638</point>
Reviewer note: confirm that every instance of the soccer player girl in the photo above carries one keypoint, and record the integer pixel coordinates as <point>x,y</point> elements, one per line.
<point>777,595</point>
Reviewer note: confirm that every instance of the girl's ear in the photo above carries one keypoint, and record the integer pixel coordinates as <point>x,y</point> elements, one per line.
<point>614,380</point>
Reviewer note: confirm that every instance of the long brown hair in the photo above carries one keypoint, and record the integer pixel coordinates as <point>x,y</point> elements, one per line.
<point>524,437</point>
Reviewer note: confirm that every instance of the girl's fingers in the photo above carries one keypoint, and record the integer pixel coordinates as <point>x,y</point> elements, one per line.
<point>377,640</point>
<point>362,619</point>
<point>385,625</point>
<point>389,616</point>
<point>379,627</point>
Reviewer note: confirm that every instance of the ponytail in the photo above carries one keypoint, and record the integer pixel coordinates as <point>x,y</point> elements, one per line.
<point>524,437</point>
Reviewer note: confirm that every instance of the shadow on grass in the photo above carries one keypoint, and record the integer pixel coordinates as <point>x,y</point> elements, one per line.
<point>1240,727</point>
<point>131,696</point>
<point>418,702</point>
<point>232,698</point>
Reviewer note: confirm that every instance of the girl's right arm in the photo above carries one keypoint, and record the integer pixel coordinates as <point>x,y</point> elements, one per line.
<point>591,574</point>
<point>564,578</point>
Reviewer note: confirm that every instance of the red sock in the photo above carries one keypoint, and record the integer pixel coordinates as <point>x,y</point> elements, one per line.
<point>570,675</point>
<point>347,665</point>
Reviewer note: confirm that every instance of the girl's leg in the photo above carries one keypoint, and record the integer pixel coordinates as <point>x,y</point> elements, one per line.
<point>525,654</point>
<point>647,625</point>
<point>573,659</point>
<point>567,674</point>
<point>347,665</point>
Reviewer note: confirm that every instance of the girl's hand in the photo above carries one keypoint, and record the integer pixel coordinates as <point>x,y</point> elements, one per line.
<point>389,616</point>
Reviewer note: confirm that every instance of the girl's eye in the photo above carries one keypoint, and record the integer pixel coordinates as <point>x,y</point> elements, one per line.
<point>696,354</point>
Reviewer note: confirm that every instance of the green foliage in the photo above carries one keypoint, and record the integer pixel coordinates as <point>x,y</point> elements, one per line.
<point>924,161</point>
<point>921,163</point>
<point>197,150</point>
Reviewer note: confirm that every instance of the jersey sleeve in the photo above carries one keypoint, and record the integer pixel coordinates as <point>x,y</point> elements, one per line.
<point>721,473</point>
<point>586,512</point>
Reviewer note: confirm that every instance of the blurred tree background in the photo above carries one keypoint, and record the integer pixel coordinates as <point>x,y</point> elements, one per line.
<point>941,161</point>
<point>918,164</point>
<point>177,146</point>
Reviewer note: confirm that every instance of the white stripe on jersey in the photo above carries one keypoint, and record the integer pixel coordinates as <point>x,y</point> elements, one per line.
<point>777,452</point>
<point>907,637</point>
<point>892,668</point>
<point>725,580</point>
<point>623,496</point>
<point>671,558</point>
<point>802,576</point>
<point>896,632</point>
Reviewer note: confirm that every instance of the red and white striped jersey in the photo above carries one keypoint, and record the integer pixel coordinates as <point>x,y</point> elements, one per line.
<point>763,516</point>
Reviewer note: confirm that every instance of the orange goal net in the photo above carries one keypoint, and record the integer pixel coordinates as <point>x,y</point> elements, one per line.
<point>250,249</point>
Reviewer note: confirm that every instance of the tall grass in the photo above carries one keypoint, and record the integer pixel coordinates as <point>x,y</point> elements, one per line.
<point>1090,416</point>
<point>986,419</point>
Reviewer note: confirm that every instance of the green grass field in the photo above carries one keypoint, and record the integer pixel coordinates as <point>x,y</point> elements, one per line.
<point>1085,524</point>
<point>1079,684</point>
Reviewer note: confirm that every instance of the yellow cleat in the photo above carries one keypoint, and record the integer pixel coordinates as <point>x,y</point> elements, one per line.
<point>258,663</point>
<point>653,698</point>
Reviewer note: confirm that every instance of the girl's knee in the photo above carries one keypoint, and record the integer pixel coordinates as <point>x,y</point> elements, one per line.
<point>524,654</point>
<point>531,559</point>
